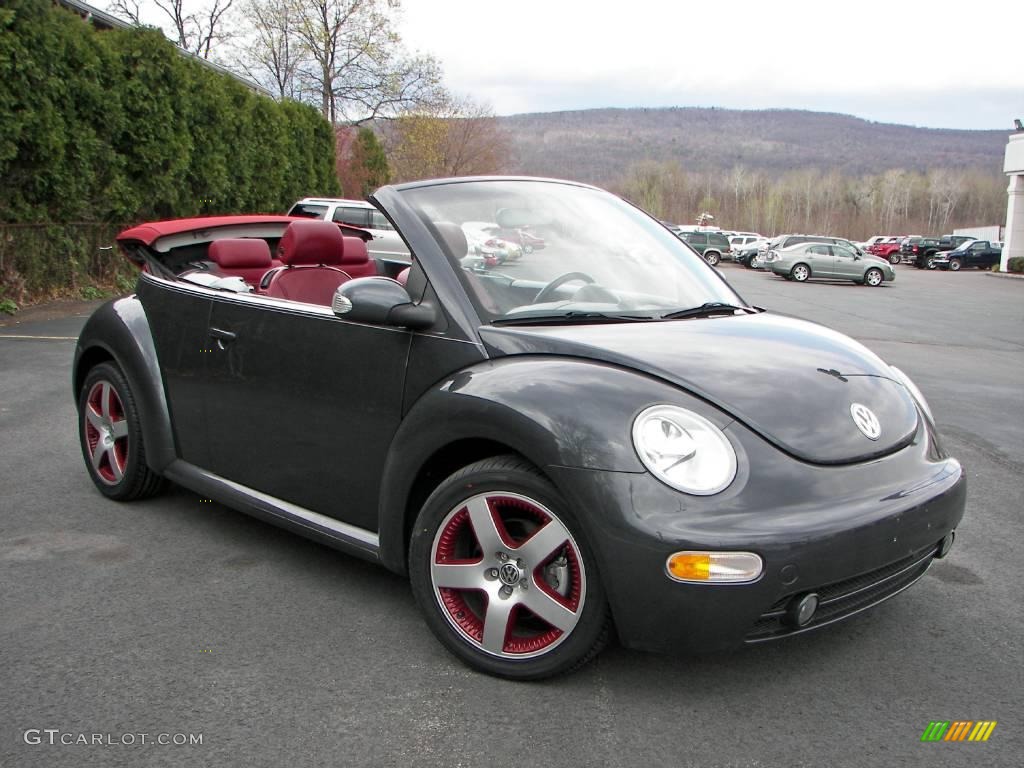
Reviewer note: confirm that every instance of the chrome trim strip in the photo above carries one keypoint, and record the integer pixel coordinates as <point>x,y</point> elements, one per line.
<point>345,533</point>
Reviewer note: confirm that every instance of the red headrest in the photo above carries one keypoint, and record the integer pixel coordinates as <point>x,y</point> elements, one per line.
<point>243,252</point>
<point>311,242</point>
<point>355,251</point>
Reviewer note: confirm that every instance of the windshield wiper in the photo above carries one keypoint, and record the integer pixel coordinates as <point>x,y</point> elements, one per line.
<point>708,308</point>
<point>571,317</point>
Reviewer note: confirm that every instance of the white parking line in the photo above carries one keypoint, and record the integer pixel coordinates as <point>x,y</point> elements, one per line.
<point>45,338</point>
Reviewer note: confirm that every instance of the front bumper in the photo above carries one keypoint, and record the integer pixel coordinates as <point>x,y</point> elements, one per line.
<point>854,534</point>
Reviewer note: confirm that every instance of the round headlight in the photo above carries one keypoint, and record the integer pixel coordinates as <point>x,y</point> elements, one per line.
<point>684,450</point>
<point>914,392</point>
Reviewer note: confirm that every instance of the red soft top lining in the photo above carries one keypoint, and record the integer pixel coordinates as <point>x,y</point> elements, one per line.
<point>150,232</point>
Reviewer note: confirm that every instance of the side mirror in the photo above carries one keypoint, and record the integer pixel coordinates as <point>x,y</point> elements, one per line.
<point>381,301</point>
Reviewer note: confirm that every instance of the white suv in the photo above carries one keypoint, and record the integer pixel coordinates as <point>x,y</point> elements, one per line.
<point>386,243</point>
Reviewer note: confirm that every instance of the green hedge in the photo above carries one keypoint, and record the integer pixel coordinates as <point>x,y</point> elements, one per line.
<point>1015,264</point>
<point>118,126</point>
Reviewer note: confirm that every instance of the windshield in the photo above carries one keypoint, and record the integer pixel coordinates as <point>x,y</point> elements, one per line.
<point>547,249</point>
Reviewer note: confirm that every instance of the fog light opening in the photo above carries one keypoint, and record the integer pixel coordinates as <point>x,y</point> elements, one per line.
<point>801,609</point>
<point>945,545</point>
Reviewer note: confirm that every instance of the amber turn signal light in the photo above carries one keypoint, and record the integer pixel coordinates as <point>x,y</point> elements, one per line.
<point>714,567</point>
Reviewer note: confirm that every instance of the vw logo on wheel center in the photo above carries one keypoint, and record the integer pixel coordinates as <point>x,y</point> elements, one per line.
<point>509,574</point>
<point>866,421</point>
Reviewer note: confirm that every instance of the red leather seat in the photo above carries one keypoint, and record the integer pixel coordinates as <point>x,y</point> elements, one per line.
<point>356,259</point>
<point>247,258</point>
<point>311,252</point>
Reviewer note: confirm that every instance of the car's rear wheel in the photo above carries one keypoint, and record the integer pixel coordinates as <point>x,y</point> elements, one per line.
<point>800,272</point>
<point>504,575</point>
<point>894,259</point>
<point>712,258</point>
<point>754,262</point>
<point>873,277</point>
<point>955,264</point>
<point>930,262</point>
<point>110,434</point>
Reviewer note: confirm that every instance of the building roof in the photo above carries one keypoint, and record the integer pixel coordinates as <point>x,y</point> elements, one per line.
<point>103,20</point>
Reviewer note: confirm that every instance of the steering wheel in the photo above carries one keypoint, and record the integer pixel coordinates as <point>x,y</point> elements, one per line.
<point>548,291</point>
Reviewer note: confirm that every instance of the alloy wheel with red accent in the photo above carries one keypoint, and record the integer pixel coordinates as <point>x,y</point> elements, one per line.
<point>106,432</point>
<point>111,437</point>
<point>502,574</point>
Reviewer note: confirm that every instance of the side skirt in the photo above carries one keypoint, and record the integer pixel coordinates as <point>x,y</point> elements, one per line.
<point>312,525</point>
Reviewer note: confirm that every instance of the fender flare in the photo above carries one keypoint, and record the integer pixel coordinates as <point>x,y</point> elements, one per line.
<point>554,411</point>
<point>121,330</point>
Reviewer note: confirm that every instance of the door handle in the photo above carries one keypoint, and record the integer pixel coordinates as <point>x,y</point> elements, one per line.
<point>223,337</point>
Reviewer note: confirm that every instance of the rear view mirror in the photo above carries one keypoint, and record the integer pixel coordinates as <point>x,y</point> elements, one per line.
<point>381,301</point>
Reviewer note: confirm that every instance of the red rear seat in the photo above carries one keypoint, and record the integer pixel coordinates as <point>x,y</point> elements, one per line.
<point>247,258</point>
<point>356,259</point>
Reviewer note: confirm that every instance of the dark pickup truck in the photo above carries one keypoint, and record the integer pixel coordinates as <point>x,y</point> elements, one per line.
<point>975,253</point>
<point>921,251</point>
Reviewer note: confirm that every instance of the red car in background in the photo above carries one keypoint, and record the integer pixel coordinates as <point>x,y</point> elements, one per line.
<point>888,249</point>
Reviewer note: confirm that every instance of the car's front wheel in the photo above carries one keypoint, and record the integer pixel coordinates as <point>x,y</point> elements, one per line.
<point>955,264</point>
<point>873,277</point>
<point>800,273</point>
<point>504,575</point>
<point>110,434</point>
<point>754,262</point>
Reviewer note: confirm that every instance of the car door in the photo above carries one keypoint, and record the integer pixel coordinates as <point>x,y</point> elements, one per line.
<point>386,243</point>
<point>302,405</point>
<point>978,253</point>
<point>846,263</point>
<point>819,257</point>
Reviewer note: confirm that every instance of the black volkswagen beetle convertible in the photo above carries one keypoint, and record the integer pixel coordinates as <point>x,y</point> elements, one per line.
<point>570,445</point>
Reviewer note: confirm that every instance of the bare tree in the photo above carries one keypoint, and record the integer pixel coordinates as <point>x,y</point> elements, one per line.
<point>454,137</point>
<point>194,30</point>
<point>273,53</point>
<point>356,63</point>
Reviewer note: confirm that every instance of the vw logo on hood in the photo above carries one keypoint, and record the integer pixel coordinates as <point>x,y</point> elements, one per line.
<point>866,421</point>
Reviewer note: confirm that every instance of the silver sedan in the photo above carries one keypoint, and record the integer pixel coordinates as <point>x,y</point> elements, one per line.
<point>834,262</point>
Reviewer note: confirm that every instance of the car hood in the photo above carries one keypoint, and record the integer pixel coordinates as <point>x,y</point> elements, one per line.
<point>791,381</point>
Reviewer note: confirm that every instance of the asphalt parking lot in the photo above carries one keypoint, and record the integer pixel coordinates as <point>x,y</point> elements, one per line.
<point>179,616</point>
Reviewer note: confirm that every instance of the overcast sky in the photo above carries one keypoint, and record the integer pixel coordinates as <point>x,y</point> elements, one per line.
<point>937,64</point>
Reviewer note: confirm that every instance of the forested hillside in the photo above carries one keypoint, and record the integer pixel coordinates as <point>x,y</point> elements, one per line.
<point>772,171</point>
<point>599,145</point>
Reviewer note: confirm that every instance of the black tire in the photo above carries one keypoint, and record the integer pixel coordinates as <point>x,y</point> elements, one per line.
<point>110,435</point>
<point>929,262</point>
<point>712,258</point>
<point>874,277</point>
<point>800,272</point>
<point>522,645</point>
<point>894,259</point>
<point>955,264</point>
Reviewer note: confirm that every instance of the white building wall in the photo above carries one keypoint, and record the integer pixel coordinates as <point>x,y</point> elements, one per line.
<point>1013,166</point>
<point>995,232</point>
